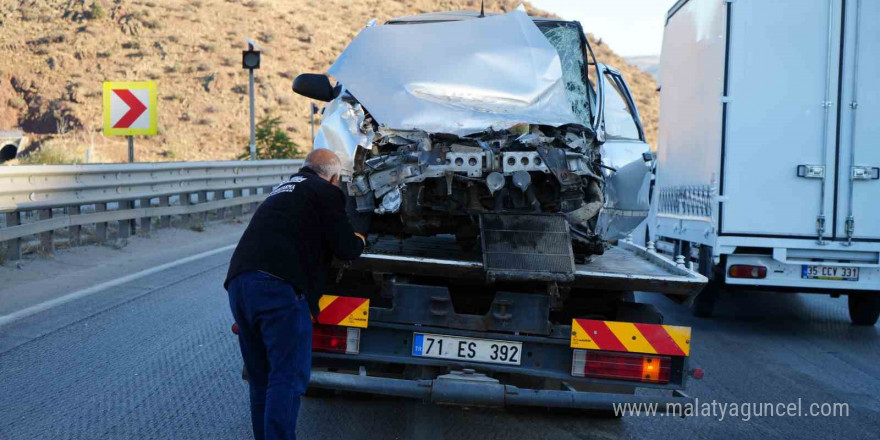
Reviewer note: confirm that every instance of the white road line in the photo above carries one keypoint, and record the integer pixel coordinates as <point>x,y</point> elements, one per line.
<point>24,313</point>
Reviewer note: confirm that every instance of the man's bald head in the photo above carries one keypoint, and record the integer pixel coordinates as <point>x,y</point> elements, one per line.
<point>325,163</point>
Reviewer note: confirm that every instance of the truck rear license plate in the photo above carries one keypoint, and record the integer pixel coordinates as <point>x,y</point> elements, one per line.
<point>830,273</point>
<point>466,349</point>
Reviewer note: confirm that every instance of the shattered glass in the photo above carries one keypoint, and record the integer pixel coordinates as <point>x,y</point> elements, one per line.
<point>566,38</point>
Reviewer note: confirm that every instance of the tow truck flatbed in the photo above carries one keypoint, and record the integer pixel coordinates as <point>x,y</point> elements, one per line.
<point>624,266</point>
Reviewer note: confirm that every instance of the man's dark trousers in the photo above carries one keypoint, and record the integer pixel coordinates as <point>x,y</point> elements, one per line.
<point>275,336</point>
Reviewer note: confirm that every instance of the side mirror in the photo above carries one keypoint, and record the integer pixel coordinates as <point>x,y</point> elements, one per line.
<point>314,85</point>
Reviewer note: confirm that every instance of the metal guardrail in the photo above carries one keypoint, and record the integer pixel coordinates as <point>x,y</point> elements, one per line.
<point>69,196</point>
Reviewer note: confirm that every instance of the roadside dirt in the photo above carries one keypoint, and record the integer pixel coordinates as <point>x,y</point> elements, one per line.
<point>57,53</point>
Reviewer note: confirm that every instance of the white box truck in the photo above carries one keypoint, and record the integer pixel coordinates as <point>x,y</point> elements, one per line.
<point>769,147</point>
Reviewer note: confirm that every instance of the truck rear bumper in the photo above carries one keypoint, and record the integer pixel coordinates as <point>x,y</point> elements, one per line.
<point>789,274</point>
<point>477,390</point>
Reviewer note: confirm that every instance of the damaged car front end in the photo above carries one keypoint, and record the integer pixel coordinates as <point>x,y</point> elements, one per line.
<point>439,121</point>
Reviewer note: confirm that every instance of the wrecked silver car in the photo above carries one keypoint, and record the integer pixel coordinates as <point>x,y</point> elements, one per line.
<point>441,117</point>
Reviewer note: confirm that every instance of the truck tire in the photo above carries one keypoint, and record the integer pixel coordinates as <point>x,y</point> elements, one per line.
<point>864,308</point>
<point>704,303</point>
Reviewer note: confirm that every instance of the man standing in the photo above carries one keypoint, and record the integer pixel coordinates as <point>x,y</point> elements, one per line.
<point>275,278</point>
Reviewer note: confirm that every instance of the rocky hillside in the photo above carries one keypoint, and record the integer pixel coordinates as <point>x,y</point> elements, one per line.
<point>55,54</point>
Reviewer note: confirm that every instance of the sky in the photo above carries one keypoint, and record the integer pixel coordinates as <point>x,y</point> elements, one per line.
<point>630,27</point>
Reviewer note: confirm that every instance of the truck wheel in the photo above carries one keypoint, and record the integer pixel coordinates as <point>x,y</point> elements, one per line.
<point>864,308</point>
<point>704,303</point>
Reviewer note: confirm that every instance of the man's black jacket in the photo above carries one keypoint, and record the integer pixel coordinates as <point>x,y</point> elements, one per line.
<point>295,233</point>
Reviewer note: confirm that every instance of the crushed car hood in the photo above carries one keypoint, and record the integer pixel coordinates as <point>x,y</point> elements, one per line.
<point>457,77</point>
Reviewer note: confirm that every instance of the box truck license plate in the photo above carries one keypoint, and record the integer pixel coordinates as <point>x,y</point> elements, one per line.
<point>830,273</point>
<point>466,349</point>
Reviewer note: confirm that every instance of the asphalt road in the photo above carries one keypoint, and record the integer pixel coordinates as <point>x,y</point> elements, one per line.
<point>154,359</point>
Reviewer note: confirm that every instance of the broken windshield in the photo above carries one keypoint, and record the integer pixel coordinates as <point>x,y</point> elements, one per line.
<point>566,38</point>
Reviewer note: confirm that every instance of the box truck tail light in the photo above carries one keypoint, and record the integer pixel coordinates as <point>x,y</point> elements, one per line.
<point>621,366</point>
<point>747,271</point>
<point>335,339</point>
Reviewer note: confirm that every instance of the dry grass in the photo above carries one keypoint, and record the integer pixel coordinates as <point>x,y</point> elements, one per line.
<point>197,226</point>
<point>180,42</point>
<point>50,155</point>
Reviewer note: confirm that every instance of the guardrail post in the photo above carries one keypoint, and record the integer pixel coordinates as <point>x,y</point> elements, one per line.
<point>75,232</point>
<point>165,220</point>
<point>146,221</point>
<point>187,218</point>
<point>253,192</point>
<point>101,227</point>
<point>47,239</point>
<point>236,210</point>
<point>221,212</point>
<point>125,225</point>
<point>203,198</point>
<point>216,195</point>
<point>13,247</point>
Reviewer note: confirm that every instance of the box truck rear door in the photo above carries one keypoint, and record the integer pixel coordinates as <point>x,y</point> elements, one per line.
<point>781,118</point>
<point>858,215</point>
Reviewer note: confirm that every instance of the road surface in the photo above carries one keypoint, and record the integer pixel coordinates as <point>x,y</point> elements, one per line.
<point>154,358</point>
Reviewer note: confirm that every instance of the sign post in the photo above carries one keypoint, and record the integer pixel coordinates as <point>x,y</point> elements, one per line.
<point>253,144</point>
<point>130,109</point>
<point>313,110</point>
<point>250,60</point>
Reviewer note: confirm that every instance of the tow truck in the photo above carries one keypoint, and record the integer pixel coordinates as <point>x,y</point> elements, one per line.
<point>420,318</point>
<point>518,318</point>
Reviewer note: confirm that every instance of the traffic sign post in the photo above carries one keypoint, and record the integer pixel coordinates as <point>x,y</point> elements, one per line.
<point>250,60</point>
<point>130,109</point>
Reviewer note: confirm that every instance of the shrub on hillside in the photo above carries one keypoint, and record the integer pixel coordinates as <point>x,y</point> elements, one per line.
<point>272,141</point>
<point>97,11</point>
<point>49,155</point>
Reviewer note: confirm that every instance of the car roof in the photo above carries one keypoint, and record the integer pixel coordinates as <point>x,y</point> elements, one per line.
<point>436,17</point>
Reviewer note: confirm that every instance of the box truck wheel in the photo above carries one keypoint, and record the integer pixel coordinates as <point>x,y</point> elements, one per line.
<point>704,303</point>
<point>864,308</point>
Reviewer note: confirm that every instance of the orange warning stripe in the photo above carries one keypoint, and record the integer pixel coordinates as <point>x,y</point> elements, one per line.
<point>631,337</point>
<point>344,310</point>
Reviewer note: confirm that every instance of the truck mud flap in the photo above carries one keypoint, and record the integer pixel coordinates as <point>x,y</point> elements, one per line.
<point>458,388</point>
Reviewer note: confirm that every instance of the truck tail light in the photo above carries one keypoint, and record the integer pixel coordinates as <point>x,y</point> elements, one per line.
<point>621,366</point>
<point>747,271</point>
<point>335,339</point>
<point>235,328</point>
